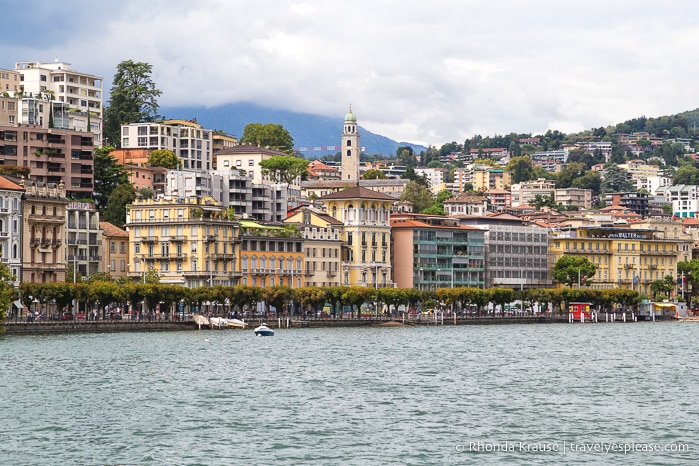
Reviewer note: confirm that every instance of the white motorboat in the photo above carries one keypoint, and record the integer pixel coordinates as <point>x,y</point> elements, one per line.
<point>264,331</point>
<point>236,323</point>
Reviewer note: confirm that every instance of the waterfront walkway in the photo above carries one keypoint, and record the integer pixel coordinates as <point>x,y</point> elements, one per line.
<point>161,324</point>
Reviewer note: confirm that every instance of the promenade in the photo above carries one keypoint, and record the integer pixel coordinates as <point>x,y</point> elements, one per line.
<point>154,325</point>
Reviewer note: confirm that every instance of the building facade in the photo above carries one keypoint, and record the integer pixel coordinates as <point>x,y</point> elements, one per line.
<point>192,144</point>
<point>431,252</point>
<point>115,249</point>
<point>83,238</point>
<point>366,259</point>
<point>53,156</point>
<point>187,241</point>
<point>11,226</point>
<point>43,231</point>
<point>630,258</point>
<point>271,255</point>
<point>75,98</point>
<point>322,245</point>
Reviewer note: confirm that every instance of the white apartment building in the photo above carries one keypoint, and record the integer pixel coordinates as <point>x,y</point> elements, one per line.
<point>525,192</point>
<point>192,144</point>
<point>684,199</point>
<point>11,226</point>
<point>59,87</point>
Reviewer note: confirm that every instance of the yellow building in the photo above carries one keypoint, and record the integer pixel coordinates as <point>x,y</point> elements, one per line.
<point>486,178</point>
<point>625,257</point>
<point>188,241</point>
<point>366,259</point>
<point>271,255</point>
<point>322,245</point>
<point>115,254</point>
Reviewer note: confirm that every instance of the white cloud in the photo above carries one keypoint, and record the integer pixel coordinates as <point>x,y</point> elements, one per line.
<point>430,72</point>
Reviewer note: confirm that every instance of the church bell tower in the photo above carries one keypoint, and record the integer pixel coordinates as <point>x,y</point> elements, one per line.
<point>350,148</point>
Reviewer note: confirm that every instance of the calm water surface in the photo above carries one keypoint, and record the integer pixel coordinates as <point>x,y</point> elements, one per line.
<point>428,395</point>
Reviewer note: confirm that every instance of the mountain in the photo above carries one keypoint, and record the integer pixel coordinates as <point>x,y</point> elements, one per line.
<point>306,129</point>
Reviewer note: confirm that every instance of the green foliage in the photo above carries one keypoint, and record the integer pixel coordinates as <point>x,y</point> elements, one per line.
<point>146,193</point>
<point>570,269</point>
<point>411,175</point>
<point>7,292</point>
<point>133,98</point>
<point>14,170</point>
<point>521,168</point>
<point>686,174</point>
<point>164,158</point>
<point>373,174</point>
<point>663,286</point>
<point>268,135</point>
<point>418,194</point>
<point>284,168</point>
<point>616,180</point>
<point>108,175</point>
<point>115,212</point>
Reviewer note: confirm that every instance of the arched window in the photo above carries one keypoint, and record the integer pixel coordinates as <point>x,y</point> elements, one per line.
<point>349,153</point>
<point>290,263</point>
<point>263,262</point>
<point>349,143</point>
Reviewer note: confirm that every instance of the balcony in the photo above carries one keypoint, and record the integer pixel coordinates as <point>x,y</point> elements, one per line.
<point>224,256</point>
<point>4,234</point>
<point>4,211</point>
<point>35,242</point>
<point>209,238</point>
<point>95,258</point>
<point>332,273</point>
<point>149,239</point>
<point>178,238</point>
<point>653,267</point>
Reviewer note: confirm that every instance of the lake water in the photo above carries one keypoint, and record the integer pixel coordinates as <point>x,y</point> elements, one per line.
<point>402,395</point>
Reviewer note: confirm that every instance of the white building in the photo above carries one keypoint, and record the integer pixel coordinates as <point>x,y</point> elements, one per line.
<point>192,144</point>
<point>11,226</point>
<point>59,86</point>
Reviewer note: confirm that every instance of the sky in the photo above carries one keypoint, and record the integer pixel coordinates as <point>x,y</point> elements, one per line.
<point>426,72</point>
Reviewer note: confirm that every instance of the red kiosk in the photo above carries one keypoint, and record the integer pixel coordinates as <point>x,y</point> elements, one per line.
<point>580,308</point>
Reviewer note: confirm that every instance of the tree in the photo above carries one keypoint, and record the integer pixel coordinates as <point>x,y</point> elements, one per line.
<point>108,175</point>
<point>406,156</point>
<point>521,168</point>
<point>133,98</point>
<point>373,174</point>
<point>164,158</point>
<point>418,194</point>
<point>686,174</point>
<point>663,286</point>
<point>268,135</point>
<point>540,201</point>
<point>284,168</point>
<point>411,174</point>
<point>590,180</point>
<point>7,292</point>
<point>616,180</point>
<point>572,171</point>
<point>573,269</point>
<point>115,212</point>
<point>146,193</point>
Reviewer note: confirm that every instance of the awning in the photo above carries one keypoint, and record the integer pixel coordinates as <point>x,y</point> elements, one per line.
<point>18,304</point>
<point>667,305</point>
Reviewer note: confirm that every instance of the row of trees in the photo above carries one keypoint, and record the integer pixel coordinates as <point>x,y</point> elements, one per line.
<point>102,293</point>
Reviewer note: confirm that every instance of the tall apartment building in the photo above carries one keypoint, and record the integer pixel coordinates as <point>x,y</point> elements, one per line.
<point>43,231</point>
<point>485,178</point>
<point>83,238</point>
<point>365,213</point>
<point>53,156</point>
<point>192,144</point>
<point>431,252</point>
<point>264,202</point>
<point>188,241</point>
<point>62,89</point>
<point>322,246</point>
<point>11,226</point>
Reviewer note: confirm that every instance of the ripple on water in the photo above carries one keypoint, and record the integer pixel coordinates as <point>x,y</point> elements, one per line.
<point>350,396</point>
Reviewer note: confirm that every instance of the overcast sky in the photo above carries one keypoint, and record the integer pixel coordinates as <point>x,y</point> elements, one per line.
<point>426,72</point>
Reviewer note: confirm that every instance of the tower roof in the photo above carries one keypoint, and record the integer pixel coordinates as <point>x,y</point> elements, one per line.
<point>350,116</point>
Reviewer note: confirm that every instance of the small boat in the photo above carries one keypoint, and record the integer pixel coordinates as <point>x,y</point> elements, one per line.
<point>264,331</point>
<point>236,323</point>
